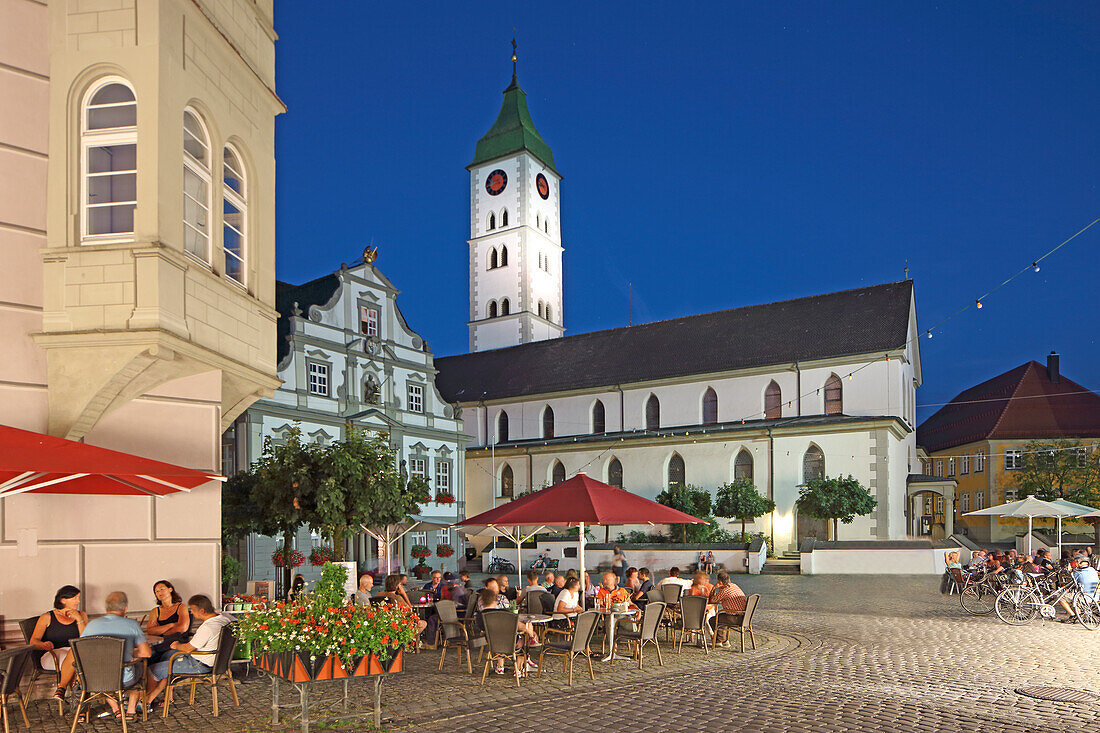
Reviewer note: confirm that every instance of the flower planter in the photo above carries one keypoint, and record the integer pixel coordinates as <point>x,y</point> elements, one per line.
<point>299,667</point>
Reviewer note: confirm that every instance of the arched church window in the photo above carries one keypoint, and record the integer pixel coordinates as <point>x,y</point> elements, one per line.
<point>615,473</point>
<point>493,259</point>
<point>548,312</point>
<point>538,221</point>
<point>559,473</point>
<point>502,427</point>
<point>710,406</point>
<point>504,307</point>
<point>598,418</point>
<point>652,413</point>
<point>773,402</point>
<point>503,256</point>
<point>540,309</point>
<point>492,309</point>
<point>492,222</point>
<point>546,226</point>
<point>548,422</point>
<point>507,482</point>
<point>676,471</point>
<point>813,464</point>
<point>504,218</point>
<point>742,465</point>
<point>834,395</point>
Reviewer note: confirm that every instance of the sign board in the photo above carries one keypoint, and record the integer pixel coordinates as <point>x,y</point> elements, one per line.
<point>352,582</point>
<point>261,588</point>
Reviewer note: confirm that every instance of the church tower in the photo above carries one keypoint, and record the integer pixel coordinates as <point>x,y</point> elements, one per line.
<point>515,231</point>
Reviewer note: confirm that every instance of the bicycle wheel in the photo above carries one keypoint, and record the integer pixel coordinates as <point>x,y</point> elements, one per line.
<point>1087,610</point>
<point>977,600</point>
<point>1017,605</point>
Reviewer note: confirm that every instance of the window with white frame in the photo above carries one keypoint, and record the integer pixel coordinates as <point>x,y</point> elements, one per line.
<point>418,467</point>
<point>318,378</point>
<point>416,398</point>
<point>196,186</point>
<point>938,471</point>
<point>418,538</point>
<point>1013,458</point>
<point>444,536</point>
<point>1082,457</point>
<point>979,462</point>
<point>368,321</point>
<point>939,505</point>
<point>108,141</point>
<point>979,500</point>
<point>234,215</point>
<point>1010,494</point>
<point>965,502</point>
<point>964,465</point>
<point>443,477</point>
<point>950,466</point>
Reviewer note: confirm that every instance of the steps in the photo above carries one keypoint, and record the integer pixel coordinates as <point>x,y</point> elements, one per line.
<point>789,563</point>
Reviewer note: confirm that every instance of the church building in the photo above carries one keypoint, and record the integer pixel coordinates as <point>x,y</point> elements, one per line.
<point>780,393</point>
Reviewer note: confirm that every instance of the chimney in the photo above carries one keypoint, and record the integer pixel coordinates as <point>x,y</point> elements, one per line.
<point>1052,368</point>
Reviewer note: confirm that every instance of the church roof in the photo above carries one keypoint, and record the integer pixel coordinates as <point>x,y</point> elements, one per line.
<point>512,132</point>
<point>859,321</point>
<point>1021,404</point>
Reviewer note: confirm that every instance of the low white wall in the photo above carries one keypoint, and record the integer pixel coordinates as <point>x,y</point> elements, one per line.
<point>657,560</point>
<point>878,562</point>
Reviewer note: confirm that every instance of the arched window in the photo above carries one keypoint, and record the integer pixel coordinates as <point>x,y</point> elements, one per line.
<point>108,142</point>
<point>538,221</point>
<point>492,221</point>
<point>493,258</point>
<point>834,396</point>
<point>652,413</point>
<point>742,465</point>
<point>507,482</point>
<point>504,307</point>
<point>813,464</point>
<point>503,256</point>
<point>502,427</point>
<point>546,226</point>
<point>558,474</point>
<point>492,309</point>
<point>615,473</point>
<point>598,422</point>
<point>710,406</point>
<point>504,218</point>
<point>676,471</point>
<point>234,214</point>
<point>196,186</point>
<point>548,422</point>
<point>540,309</point>
<point>773,402</point>
<point>548,316</point>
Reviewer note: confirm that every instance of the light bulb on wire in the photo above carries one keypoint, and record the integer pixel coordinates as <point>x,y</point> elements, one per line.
<point>978,304</point>
<point>929,332</point>
<point>1035,266</point>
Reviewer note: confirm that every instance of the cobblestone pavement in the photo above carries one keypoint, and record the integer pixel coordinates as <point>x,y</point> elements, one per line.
<point>834,654</point>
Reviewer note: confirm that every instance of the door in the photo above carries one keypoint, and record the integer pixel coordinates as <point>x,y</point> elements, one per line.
<point>810,527</point>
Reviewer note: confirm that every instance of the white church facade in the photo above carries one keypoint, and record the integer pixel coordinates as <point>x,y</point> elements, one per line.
<point>782,392</point>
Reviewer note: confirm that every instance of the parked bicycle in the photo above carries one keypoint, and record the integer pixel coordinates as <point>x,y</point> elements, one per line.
<point>500,566</point>
<point>979,593</point>
<point>1020,604</point>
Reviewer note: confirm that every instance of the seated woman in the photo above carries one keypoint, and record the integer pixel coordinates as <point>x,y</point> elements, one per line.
<point>394,593</point>
<point>53,632</point>
<point>169,618</point>
<point>489,599</point>
<point>567,604</point>
<point>700,585</point>
<point>952,560</point>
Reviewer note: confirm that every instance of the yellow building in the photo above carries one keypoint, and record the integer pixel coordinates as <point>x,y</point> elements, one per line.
<point>978,439</point>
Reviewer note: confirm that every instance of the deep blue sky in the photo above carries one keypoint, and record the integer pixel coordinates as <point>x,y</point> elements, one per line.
<point>717,155</point>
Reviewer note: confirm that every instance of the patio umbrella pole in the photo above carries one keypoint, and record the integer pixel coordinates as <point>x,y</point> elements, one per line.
<point>519,562</point>
<point>1059,540</point>
<point>1029,534</point>
<point>580,553</point>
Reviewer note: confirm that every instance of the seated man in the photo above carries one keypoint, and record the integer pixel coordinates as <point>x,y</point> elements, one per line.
<point>549,579</point>
<point>1042,559</point>
<point>199,652</point>
<point>117,625</point>
<point>732,601</point>
<point>506,590</point>
<point>464,579</point>
<point>978,560</point>
<point>674,578</point>
<point>557,586</point>
<point>365,591</point>
<point>434,585</point>
<point>1087,580</point>
<point>646,585</point>
<point>531,587</point>
<point>610,592</point>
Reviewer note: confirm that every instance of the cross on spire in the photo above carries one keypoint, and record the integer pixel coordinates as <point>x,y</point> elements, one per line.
<point>515,58</point>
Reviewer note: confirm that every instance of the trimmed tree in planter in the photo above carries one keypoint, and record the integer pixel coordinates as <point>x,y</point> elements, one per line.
<point>421,553</point>
<point>740,500</point>
<point>694,501</point>
<point>838,499</point>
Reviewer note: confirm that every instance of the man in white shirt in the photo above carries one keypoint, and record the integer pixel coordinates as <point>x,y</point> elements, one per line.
<point>199,657</point>
<point>674,578</point>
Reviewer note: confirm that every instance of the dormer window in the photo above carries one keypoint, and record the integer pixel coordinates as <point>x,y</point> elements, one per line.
<point>368,321</point>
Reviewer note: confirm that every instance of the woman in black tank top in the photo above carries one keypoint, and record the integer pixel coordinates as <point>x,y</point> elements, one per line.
<point>169,618</point>
<point>55,629</point>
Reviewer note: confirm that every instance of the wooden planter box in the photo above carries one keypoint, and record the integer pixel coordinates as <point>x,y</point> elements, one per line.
<point>298,667</point>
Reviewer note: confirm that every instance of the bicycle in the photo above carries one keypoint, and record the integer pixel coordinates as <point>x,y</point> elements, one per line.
<point>1017,605</point>
<point>979,595</point>
<point>500,566</point>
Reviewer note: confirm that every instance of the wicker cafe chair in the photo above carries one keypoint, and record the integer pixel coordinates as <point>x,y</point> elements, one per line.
<point>100,666</point>
<point>741,623</point>
<point>958,581</point>
<point>578,646</point>
<point>655,595</point>
<point>451,634</point>
<point>26,626</point>
<point>692,620</point>
<point>651,621</point>
<point>223,655</point>
<point>671,594</point>
<point>13,663</point>
<point>501,628</point>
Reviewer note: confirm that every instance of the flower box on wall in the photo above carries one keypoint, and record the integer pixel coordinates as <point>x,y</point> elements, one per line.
<point>300,667</point>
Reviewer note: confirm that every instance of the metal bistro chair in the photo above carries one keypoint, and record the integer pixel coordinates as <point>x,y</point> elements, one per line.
<point>579,645</point>
<point>26,626</point>
<point>647,634</point>
<point>692,620</point>
<point>741,623</point>
<point>655,595</point>
<point>671,594</point>
<point>958,581</point>
<point>223,655</point>
<point>501,628</point>
<point>14,663</point>
<point>100,666</point>
<point>451,633</point>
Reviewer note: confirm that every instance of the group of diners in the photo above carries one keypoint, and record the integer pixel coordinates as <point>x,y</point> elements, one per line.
<point>167,632</point>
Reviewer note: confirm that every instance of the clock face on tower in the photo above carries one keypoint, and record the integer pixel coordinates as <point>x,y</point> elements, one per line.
<point>496,182</point>
<point>542,186</point>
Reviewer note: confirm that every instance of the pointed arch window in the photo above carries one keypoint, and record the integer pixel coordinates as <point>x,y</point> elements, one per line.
<point>504,307</point>
<point>492,221</point>
<point>538,221</point>
<point>652,413</point>
<point>196,186</point>
<point>834,396</point>
<point>493,259</point>
<point>615,473</point>
<point>548,422</point>
<point>676,471</point>
<point>504,218</point>
<point>503,256</point>
<point>502,427</point>
<point>742,465</point>
<point>548,316</point>
<point>598,418</point>
<point>710,406</point>
<point>813,464</point>
<point>773,402</point>
<point>492,309</point>
<point>234,214</point>
<point>559,473</point>
<point>546,225</point>
<point>108,141</point>
<point>507,482</point>
<point>540,309</point>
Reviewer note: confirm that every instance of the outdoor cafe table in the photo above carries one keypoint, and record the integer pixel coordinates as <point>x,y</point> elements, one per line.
<point>610,620</point>
<point>536,618</point>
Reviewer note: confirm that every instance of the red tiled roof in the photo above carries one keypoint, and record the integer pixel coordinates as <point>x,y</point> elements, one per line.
<point>1020,404</point>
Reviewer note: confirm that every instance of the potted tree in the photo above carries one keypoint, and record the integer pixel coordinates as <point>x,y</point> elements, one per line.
<point>740,500</point>
<point>420,552</point>
<point>838,499</point>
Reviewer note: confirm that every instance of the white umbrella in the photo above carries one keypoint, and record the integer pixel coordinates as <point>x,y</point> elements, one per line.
<point>1029,507</point>
<point>516,534</point>
<point>1079,510</point>
<point>390,534</point>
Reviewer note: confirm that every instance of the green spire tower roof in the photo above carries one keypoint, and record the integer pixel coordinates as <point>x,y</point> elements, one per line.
<point>513,130</point>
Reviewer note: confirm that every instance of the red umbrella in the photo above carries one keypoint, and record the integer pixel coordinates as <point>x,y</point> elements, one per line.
<point>575,502</point>
<point>35,463</point>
